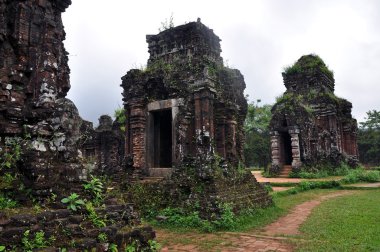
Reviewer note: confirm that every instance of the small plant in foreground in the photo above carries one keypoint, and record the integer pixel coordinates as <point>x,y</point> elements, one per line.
<point>95,187</point>
<point>73,202</point>
<point>93,216</point>
<point>39,241</point>
<point>6,202</point>
<point>2,248</point>
<point>113,247</point>
<point>154,245</point>
<point>102,237</point>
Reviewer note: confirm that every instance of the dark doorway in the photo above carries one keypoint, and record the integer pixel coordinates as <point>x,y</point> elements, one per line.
<point>287,148</point>
<point>162,141</point>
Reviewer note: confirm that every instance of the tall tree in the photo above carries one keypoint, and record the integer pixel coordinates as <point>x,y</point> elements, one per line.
<point>369,139</point>
<point>257,146</point>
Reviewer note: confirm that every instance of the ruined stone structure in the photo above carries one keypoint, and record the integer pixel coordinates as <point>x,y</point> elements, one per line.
<point>34,80</point>
<point>40,134</point>
<point>311,125</point>
<point>103,147</point>
<point>185,114</point>
<point>185,102</point>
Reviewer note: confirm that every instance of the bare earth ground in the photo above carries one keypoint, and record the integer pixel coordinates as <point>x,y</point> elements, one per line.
<point>262,179</point>
<point>270,238</point>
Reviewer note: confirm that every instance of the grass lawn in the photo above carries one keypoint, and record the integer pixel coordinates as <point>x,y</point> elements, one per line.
<point>170,236</point>
<point>347,223</point>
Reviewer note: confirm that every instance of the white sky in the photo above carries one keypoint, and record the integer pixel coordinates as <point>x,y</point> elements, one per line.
<point>105,39</point>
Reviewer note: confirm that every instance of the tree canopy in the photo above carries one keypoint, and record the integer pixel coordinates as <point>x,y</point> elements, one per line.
<point>257,146</point>
<point>369,139</point>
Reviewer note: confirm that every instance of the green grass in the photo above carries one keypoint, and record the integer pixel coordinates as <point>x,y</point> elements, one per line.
<point>347,223</point>
<point>283,204</point>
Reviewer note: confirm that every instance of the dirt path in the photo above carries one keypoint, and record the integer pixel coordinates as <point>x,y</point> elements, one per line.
<point>262,179</point>
<point>266,240</point>
<point>290,223</point>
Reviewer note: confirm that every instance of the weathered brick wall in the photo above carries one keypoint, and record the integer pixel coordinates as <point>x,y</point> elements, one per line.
<point>34,80</point>
<point>75,230</point>
<point>103,148</point>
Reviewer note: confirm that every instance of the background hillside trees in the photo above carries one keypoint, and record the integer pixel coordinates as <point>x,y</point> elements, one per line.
<point>257,145</point>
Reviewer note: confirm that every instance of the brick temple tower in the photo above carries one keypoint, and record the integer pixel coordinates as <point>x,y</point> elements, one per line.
<point>310,124</point>
<point>185,103</point>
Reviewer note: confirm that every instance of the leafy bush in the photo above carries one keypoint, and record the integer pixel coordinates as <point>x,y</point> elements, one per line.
<point>361,175</point>
<point>95,188</point>
<point>6,202</point>
<point>177,217</point>
<point>321,171</point>
<point>73,202</point>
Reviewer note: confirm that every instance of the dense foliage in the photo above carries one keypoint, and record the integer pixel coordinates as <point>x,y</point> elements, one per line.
<point>369,139</point>
<point>257,146</point>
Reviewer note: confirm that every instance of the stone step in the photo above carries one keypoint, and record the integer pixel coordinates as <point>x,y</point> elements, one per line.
<point>160,172</point>
<point>150,180</point>
<point>286,169</point>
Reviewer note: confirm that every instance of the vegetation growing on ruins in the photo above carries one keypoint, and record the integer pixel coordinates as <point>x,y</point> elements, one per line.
<point>309,63</point>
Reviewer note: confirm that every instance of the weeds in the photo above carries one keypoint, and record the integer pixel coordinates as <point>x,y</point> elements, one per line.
<point>39,241</point>
<point>6,202</point>
<point>93,216</point>
<point>73,202</point>
<point>95,188</point>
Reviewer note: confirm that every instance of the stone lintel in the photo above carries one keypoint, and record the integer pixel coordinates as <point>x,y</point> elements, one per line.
<point>165,104</point>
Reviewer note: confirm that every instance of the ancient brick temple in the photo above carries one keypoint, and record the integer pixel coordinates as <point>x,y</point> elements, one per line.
<point>34,81</point>
<point>185,114</point>
<point>184,103</point>
<point>310,124</point>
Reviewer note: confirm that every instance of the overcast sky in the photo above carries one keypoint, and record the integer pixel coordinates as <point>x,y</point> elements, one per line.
<point>105,39</point>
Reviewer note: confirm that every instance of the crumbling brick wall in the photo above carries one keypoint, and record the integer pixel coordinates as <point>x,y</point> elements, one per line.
<point>34,81</point>
<point>103,147</point>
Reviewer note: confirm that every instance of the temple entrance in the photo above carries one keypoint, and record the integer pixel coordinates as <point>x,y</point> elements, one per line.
<point>162,138</point>
<point>286,148</point>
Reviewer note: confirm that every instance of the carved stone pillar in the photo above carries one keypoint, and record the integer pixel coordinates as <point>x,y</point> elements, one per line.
<point>231,141</point>
<point>296,154</point>
<point>275,148</point>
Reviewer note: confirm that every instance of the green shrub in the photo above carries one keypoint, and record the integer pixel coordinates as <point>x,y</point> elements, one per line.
<point>94,217</point>
<point>309,185</point>
<point>95,188</point>
<point>321,171</point>
<point>177,217</point>
<point>6,202</point>
<point>226,220</point>
<point>39,241</point>
<point>73,202</point>
<point>360,175</point>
